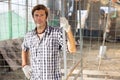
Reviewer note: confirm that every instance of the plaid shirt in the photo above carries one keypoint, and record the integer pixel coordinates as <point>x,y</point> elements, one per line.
<point>44,53</point>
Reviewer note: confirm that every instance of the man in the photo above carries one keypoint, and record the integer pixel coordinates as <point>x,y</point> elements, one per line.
<point>44,43</point>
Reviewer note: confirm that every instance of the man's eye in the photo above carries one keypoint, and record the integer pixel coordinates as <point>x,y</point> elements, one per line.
<point>42,15</point>
<point>36,15</point>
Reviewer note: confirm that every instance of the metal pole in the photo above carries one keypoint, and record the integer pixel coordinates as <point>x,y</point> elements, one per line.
<point>10,19</point>
<point>37,1</point>
<point>104,35</point>
<point>64,44</point>
<point>107,22</point>
<point>81,42</point>
<point>26,15</point>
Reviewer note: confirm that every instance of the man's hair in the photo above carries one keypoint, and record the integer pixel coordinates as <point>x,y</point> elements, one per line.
<point>40,7</point>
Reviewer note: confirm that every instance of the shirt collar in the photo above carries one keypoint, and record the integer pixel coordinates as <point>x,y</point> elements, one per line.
<point>47,30</point>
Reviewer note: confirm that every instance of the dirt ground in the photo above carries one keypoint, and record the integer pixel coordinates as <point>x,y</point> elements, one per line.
<point>90,59</point>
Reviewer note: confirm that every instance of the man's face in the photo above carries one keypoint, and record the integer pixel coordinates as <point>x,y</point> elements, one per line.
<point>40,18</point>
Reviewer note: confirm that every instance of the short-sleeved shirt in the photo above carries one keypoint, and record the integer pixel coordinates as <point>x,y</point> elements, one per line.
<point>44,53</point>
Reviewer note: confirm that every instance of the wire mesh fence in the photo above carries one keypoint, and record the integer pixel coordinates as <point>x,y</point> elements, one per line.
<point>92,22</point>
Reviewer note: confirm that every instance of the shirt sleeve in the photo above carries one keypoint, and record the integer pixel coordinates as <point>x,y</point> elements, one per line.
<point>61,40</point>
<point>25,44</point>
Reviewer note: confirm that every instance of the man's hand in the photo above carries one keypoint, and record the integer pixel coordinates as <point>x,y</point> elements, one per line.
<point>71,41</point>
<point>27,71</point>
<point>64,23</point>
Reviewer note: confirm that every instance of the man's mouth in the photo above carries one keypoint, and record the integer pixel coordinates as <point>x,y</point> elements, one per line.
<point>37,24</point>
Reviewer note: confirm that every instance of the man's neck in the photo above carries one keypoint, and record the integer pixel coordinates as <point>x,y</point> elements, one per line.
<point>41,30</point>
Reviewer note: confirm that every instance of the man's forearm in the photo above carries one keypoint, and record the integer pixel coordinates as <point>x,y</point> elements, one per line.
<point>71,41</point>
<point>24,56</point>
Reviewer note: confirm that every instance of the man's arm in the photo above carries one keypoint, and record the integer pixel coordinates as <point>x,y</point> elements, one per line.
<point>71,41</point>
<point>25,67</point>
<point>24,56</point>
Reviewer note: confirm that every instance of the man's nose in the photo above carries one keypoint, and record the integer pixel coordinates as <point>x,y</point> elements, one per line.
<point>39,17</point>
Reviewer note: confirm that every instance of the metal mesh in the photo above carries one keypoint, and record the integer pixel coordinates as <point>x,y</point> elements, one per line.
<point>87,63</point>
